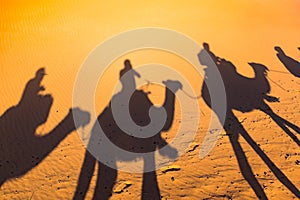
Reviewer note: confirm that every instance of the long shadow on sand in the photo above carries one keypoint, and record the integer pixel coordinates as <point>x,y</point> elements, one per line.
<point>246,94</point>
<point>292,65</point>
<point>139,106</point>
<point>20,148</point>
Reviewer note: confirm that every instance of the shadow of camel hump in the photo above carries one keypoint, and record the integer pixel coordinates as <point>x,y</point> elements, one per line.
<point>139,106</point>
<point>292,65</point>
<point>246,94</point>
<point>21,148</point>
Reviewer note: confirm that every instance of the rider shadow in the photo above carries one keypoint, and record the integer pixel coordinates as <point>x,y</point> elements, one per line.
<point>139,106</point>
<point>246,94</point>
<point>20,148</point>
<point>292,65</point>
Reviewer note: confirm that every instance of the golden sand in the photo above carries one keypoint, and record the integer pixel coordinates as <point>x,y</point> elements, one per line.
<point>59,35</point>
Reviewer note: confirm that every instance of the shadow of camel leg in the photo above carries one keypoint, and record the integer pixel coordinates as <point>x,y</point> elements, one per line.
<point>281,123</point>
<point>105,182</point>
<point>1,182</point>
<point>150,189</point>
<point>245,167</point>
<point>232,127</point>
<point>277,172</point>
<point>85,176</point>
<point>293,126</point>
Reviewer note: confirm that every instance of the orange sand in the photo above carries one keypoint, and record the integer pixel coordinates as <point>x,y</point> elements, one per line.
<point>59,36</point>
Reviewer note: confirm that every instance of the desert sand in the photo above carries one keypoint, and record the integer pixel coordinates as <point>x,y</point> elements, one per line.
<point>59,36</point>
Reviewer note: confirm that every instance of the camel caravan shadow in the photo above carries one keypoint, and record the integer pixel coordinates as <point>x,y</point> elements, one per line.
<point>139,106</point>
<point>292,65</point>
<point>246,94</point>
<point>20,148</point>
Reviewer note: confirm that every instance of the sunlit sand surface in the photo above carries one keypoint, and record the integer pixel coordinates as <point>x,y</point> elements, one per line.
<point>60,35</point>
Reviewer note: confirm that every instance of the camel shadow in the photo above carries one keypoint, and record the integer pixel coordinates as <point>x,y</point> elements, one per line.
<point>20,148</point>
<point>292,65</point>
<point>139,106</point>
<point>246,94</point>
